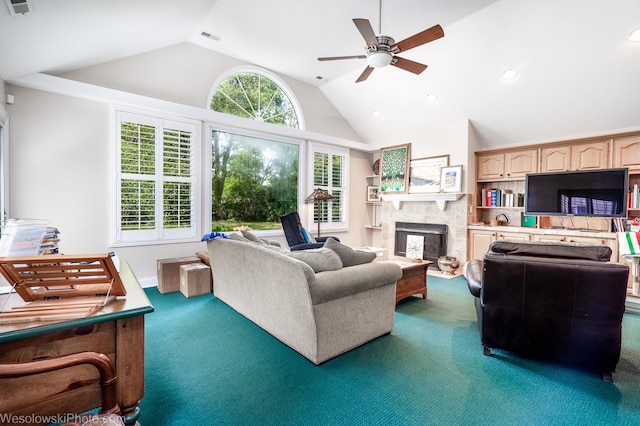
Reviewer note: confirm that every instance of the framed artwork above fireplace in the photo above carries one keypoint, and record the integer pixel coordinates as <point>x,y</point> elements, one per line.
<point>394,168</point>
<point>424,175</point>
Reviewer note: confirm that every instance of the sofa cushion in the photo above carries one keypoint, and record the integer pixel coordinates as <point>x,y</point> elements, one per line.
<point>320,259</point>
<point>349,256</point>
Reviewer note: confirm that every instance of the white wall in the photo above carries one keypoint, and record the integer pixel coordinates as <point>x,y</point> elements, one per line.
<point>60,153</point>
<point>185,74</point>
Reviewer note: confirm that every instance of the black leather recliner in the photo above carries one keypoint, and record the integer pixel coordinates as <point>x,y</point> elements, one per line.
<point>552,301</point>
<point>292,228</point>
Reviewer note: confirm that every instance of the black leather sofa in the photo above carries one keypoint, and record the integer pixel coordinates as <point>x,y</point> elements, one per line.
<point>551,301</point>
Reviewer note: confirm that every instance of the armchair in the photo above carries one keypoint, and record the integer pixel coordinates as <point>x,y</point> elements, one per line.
<point>551,301</point>
<point>295,233</point>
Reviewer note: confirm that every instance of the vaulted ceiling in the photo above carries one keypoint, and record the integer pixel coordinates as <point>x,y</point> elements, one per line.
<point>578,74</point>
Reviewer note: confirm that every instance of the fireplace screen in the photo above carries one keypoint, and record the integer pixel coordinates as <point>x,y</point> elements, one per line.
<point>435,240</point>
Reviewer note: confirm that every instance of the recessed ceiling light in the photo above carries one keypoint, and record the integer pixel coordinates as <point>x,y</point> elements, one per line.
<point>635,35</point>
<point>432,97</point>
<point>376,113</point>
<point>510,74</point>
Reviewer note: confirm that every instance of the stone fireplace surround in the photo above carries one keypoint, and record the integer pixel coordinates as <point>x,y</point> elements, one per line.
<point>455,216</point>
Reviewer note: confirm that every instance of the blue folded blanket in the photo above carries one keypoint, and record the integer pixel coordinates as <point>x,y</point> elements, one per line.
<point>213,235</point>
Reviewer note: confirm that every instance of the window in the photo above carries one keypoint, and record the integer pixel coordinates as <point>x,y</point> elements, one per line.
<point>4,160</point>
<point>254,94</point>
<point>157,186</point>
<point>329,165</point>
<point>254,181</point>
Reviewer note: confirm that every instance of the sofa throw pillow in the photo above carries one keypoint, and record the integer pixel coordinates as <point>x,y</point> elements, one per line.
<point>321,259</point>
<point>250,236</point>
<point>237,237</point>
<point>349,256</point>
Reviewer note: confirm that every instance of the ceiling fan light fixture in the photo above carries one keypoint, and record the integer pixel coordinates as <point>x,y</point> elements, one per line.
<point>510,74</point>
<point>379,59</point>
<point>635,35</point>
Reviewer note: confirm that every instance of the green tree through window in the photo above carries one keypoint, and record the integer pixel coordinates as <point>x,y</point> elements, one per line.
<point>254,180</point>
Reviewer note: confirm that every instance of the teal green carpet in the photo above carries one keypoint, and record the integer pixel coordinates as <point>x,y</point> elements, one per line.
<point>208,365</point>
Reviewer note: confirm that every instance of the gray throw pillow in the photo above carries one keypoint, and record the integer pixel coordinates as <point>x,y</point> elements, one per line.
<point>250,236</point>
<point>321,259</point>
<point>237,237</point>
<point>348,255</point>
<point>253,237</point>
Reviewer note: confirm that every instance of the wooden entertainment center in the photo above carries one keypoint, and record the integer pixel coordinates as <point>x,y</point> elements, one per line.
<point>506,169</point>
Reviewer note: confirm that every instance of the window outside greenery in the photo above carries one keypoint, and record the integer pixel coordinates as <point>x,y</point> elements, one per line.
<point>254,96</point>
<point>329,171</point>
<point>254,180</point>
<point>156,180</point>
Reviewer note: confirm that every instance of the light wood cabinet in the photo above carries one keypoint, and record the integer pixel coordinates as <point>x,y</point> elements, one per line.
<point>518,164</point>
<point>490,167</point>
<point>626,153</point>
<point>513,236</point>
<point>479,242</point>
<point>507,166</point>
<point>585,156</point>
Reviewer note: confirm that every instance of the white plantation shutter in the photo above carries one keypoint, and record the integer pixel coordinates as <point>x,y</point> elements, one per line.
<point>329,165</point>
<point>156,192</point>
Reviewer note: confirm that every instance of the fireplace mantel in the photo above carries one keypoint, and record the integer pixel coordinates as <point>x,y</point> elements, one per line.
<point>440,198</point>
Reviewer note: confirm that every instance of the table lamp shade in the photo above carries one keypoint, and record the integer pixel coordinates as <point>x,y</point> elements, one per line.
<point>318,196</point>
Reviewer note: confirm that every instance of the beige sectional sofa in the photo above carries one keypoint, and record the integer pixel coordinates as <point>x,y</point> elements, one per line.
<point>322,310</point>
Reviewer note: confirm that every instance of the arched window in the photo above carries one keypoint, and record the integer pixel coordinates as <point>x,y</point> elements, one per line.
<point>255,177</point>
<point>252,93</point>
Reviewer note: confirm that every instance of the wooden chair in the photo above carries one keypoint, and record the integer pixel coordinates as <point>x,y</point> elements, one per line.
<point>98,360</point>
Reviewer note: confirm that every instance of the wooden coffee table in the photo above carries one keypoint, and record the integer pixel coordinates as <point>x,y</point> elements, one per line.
<point>414,279</point>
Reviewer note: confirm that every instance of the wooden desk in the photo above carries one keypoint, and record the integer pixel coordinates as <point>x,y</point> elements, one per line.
<point>117,330</point>
<point>414,279</point>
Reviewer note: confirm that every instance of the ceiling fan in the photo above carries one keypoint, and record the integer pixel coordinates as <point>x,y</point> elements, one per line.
<point>382,50</point>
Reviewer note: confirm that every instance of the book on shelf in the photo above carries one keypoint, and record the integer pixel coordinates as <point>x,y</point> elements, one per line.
<point>493,197</point>
<point>634,197</point>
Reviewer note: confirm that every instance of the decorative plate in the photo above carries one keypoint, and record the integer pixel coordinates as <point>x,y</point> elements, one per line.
<point>376,167</point>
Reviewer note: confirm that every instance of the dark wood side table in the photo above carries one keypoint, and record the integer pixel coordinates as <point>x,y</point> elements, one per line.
<point>414,279</point>
<point>117,330</point>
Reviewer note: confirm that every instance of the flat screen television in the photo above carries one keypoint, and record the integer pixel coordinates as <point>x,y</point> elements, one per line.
<point>596,193</point>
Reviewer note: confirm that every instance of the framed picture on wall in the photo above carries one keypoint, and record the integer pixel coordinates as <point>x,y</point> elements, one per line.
<point>373,193</point>
<point>394,168</point>
<point>424,174</point>
<point>451,179</point>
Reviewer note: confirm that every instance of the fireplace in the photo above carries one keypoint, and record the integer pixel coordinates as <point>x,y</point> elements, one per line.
<point>435,240</point>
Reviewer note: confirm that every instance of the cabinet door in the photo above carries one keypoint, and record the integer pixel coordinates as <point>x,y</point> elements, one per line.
<point>516,236</point>
<point>491,167</point>
<point>554,238</point>
<point>518,164</point>
<point>555,159</point>
<point>626,152</point>
<point>590,156</point>
<point>479,242</point>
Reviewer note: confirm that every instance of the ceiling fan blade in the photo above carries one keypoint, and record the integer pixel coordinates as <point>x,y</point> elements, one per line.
<point>365,74</point>
<point>408,65</point>
<point>365,28</point>
<point>336,58</point>
<point>419,39</point>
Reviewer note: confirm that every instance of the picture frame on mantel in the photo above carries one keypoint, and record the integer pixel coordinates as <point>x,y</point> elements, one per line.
<point>424,174</point>
<point>451,179</point>
<point>394,168</point>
